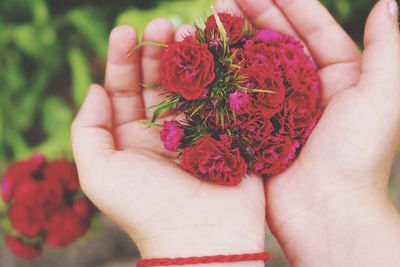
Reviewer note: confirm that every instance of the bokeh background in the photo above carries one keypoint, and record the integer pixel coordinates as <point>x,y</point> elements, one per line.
<point>50,51</point>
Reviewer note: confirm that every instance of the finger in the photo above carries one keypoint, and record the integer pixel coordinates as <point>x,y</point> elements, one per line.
<point>157,31</point>
<point>184,30</point>
<point>380,79</point>
<point>92,141</point>
<point>335,78</point>
<point>328,43</point>
<point>265,14</point>
<point>145,138</point>
<point>123,76</point>
<point>228,6</point>
<point>381,59</point>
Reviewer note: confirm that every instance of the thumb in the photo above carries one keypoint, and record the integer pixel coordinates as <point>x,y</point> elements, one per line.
<point>381,59</point>
<point>91,132</point>
<point>380,77</point>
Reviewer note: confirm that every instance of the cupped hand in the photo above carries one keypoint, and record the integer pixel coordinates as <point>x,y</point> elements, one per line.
<point>331,207</point>
<point>125,171</point>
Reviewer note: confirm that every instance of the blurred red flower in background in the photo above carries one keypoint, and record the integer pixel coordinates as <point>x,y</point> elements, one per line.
<point>44,205</point>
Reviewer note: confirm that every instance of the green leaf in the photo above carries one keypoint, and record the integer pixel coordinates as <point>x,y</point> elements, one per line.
<point>56,116</point>
<point>20,148</point>
<point>40,12</point>
<point>7,226</point>
<point>91,27</point>
<point>138,18</point>
<point>56,121</point>
<point>178,12</point>
<point>3,206</point>
<point>80,72</point>
<point>151,86</point>
<point>58,146</point>
<point>162,107</point>
<point>26,38</point>
<point>344,9</point>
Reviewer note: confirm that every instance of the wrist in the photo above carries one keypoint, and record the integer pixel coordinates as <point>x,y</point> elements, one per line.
<point>204,241</point>
<point>363,231</point>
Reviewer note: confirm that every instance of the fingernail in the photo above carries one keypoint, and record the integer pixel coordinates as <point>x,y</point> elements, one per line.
<point>393,10</point>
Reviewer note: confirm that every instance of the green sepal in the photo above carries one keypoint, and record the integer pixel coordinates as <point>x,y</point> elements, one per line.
<point>150,124</point>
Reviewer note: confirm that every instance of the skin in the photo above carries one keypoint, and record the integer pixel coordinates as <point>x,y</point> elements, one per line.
<point>330,208</point>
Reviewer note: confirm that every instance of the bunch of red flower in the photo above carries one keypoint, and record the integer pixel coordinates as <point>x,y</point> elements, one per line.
<point>244,100</point>
<point>44,205</point>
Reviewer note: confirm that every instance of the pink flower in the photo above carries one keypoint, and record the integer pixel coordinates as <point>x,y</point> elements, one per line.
<point>238,102</point>
<point>172,135</point>
<point>266,36</point>
<point>226,139</point>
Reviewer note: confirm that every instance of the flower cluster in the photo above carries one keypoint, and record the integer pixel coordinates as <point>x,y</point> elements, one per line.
<point>45,205</point>
<point>246,100</point>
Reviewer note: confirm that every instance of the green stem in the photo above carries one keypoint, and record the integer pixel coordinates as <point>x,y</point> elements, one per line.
<point>133,50</point>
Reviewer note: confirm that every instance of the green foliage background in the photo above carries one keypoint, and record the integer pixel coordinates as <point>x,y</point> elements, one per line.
<point>51,50</point>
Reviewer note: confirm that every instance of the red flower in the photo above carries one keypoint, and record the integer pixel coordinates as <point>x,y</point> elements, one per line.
<point>266,124</point>
<point>210,160</point>
<point>266,78</point>
<point>299,113</point>
<point>65,227</point>
<point>43,203</point>
<point>254,128</point>
<point>26,220</point>
<point>65,172</point>
<point>275,155</point>
<point>172,135</point>
<point>43,194</point>
<point>18,172</point>
<point>233,26</point>
<point>82,207</point>
<point>21,249</point>
<point>187,68</point>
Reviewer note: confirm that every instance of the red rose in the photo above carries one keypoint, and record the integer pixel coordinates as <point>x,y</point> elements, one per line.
<point>275,155</point>
<point>187,68</point>
<point>210,160</point>
<point>65,172</point>
<point>233,26</point>
<point>26,220</point>
<point>21,249</point>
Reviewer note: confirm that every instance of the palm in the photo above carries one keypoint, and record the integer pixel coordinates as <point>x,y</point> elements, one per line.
<point>351,148</point>
<point>138,183</point>
<point>148,176</point>
<point>141,187</point>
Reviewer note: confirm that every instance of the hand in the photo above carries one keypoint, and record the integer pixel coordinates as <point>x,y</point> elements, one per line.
<point>126,172</point>
<point>331,207</point>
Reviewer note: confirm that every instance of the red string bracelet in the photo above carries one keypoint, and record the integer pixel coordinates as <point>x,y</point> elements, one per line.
<point>204,259</point>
